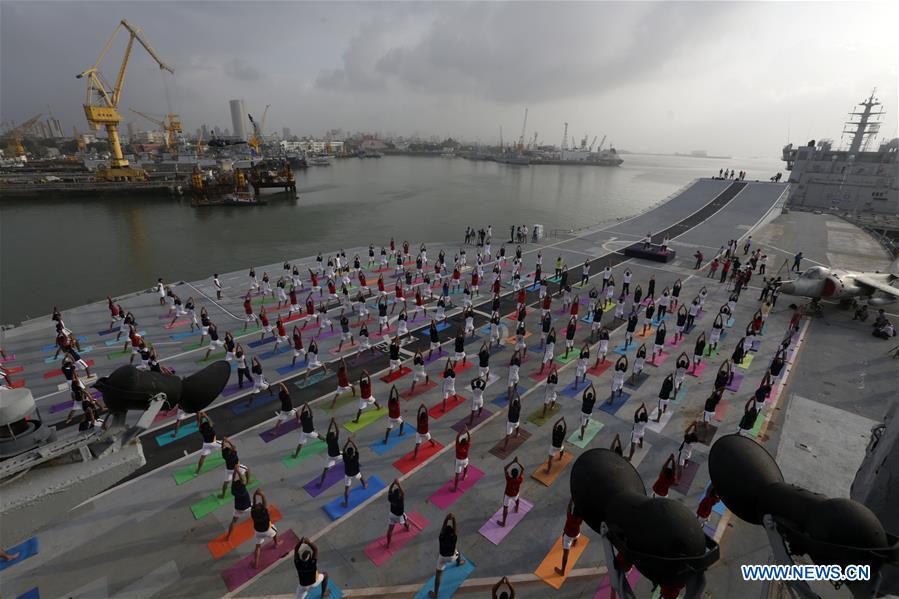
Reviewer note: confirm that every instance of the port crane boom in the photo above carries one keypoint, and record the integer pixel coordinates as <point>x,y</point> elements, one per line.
<point>170,124</point>
<point>101,106</point>
<point>257,139</point>
<point>16,133</point>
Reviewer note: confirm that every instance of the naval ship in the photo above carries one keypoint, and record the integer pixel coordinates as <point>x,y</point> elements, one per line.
<point>854,180</point>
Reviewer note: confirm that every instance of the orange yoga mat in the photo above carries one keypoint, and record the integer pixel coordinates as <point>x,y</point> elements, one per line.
<point>547,568</point>
<point>242,533</point>
<point>558,466</point>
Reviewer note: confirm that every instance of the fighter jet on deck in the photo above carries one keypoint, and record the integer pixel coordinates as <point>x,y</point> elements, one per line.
<point>820,282</point>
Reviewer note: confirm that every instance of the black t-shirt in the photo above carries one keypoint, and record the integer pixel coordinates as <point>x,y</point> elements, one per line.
<point>257,369</point>
<point>660,336</point>
<point>261,521</point>
<point>711,403</point>
<point>397,502</point>
<point>547,324</point>
<point>558,436</point>
<point>667,387</point>
<point>514,411</point>
<point>241,495</point>
<point>306,421</point>
<point>585,353</point>
<point>632,323</point>
<point>333,445</point>
<point>748,419</point>
<point>286,403</point>
<point>307,570</point>
<point>569,332</point>
<point>230,457</point>
<point>67,370</point>
<point>587,403</point>
<point>351,463</point>
<point>435,338</point>
<point>460,344</point>
<point>207,432</point>
<point>447,542</point>
<point>484,358</point>
<point>699,347</point>
<point>394,351</point>
<point>382,309</point>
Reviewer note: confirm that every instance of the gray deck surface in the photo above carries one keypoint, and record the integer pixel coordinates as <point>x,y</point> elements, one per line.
<point>148,519</point>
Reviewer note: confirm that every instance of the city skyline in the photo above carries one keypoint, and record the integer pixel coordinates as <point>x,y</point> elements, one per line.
<point>657,77</point>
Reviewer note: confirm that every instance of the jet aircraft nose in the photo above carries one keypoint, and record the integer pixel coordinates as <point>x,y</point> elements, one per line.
<point>788,287</point>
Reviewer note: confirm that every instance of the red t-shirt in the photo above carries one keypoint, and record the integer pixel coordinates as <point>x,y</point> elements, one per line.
<point>247,306</point>
<point>662,483</point>
<point>705,506</point>
<point>297,340</point>
<point>381,284</point>
<point>572,525</point>
<point>281,331</point>
<point>264,318</point>
<point>342,378</point>
<point>393,408</point>
<point>521,296</point>
<point>474,278</point>
<point>462,450</point>
<point>513,485</point>
<point>310,307</point>
<point>399,291</point>
<point>496,286</point>
<point>365,388</point>
<point>547,302</point>
<point>574,308</point>
<point>331,287</point>
<point>423,423</point>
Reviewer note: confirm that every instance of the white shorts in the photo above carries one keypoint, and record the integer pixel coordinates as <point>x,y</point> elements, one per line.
<point>304,437</point>
<point>419,374</point>
<point>394,519</point>
<point>707,416</point>
<point>553,450</point>
<point>636,437</point>
<point>262,537</point>
<point>449,391</point>
<point>392,422</point>
<point>299,353</point>
<point>683,456</point>
<point>216,343</point>
<point>585,418</point>
<point>238,513</point>
<point>459,356</point>
<point>663,403</point>
<point>422,437</point>
<point>364,402</point>
<point>208,448</point>
<point>230,473</point>
<point>347,336</point>
<point>567,541</point>
<point>569,343</point>
<point>435,345</point>
<point>657,348</point>
<point>268,328</point>
<point>443,561</point>
<point>477,402</point>
<point>507,501</point>
<point>283,339</point>
<point>483,372</point>
<point>205,330</point>
<point>285,416</point>
<point>302,591</point>
<point>461,465</point>
<point>511,427</point>
<point>331,461</point>
<point>394,364</point>
<point>348,480</point>
<point>382,321</point>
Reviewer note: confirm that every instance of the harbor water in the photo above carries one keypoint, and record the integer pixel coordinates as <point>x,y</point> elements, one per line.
<point>67,253</point>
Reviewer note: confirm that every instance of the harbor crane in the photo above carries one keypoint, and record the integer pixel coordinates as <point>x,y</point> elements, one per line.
<point>524,127</point>
<point>78,139</point>
<point>170,125</point>
<point>592,143</point>
<point>599,148</point>
<point>101,106</point>
<point>258,138</point>
<point>15,137</point>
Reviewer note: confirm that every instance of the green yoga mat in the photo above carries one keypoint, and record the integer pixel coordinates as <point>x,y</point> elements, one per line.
<point>759,421</point>
<point>213,356</point>
<point>572,356</point>
<point>536,418</point>
<point>593,427</point>
<point>309,449</point>
<point>193,346</point>
<point>209,504</point>
<point>188,473</point>
<point>345,398</point>
<point>118,354</point>
<point>367,418</point>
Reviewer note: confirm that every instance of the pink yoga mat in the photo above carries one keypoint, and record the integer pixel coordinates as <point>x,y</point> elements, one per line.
<point>605,587</point>
<point>445,496</point>
<point>243,570</point>
<point>378,552</point>
<point>696,371</point>
<point>495,533</point>
<point>659,360</point>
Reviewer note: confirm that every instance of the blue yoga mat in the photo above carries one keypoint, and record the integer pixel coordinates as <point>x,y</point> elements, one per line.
<point>52,346</point>
<point>178,336</point>
<point>619,349</point>
<point>450,581</point>
<point>379,447</point>
<point>263,342</point>
<point>240,407</point>
<point>187,429</point>
<point>271,354</point>
<point>615,405</point>
<point>441,326</point>
<point>502,399</point>
<point>300,365</point>
<point>25,550</point>
<point>573,391</point>
<point>30,594</point>
<point>318,376</point>
<point>336,509</point>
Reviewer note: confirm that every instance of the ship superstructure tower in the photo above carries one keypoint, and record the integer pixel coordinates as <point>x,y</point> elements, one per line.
<point>863,126</point>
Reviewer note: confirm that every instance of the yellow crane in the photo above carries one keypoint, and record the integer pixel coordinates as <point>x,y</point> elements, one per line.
<point>170,124</point>
<point>257,139</point>
<point>102,104</point>
<point>78,139</point>
<point>15,136</point>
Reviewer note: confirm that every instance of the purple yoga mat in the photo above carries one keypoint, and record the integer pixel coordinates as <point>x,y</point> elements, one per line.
<point>735,383</point>
<point>485,414</point>
<point>243,570</point>
<point>686,479</point>
<point>286,427</point>
<point>495,533</point>
<point>445,496</point>
<point>333,476</point>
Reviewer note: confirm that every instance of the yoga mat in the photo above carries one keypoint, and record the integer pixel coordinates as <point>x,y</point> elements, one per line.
<point>601,368</point>
<point>617,402</point>
<point>642,335</point>
<point>537,417</point>
<point>319,375</point>
<point>747,361</point>
<point>286,427</point>
<point>757,427</point>
<point>659,359</point>
<point>450,581</point>
<point>368,416</point>
<point>514,339</point>
<point>405,464</point>
<point>734,385</point>
<point>441,326</point>
<point>379,447</point>
<point>53,346</point>
<point>25,550</point>
<point>8,358</point>
<point>721,409</point>
<point>62,406</point>
<point>706,437</point>
<point>300,365</point>
<point>672,343</point>
<point>243,532</point>
<point>709,352</point>
<point>17,384</point>
<point>686,479</point>
<point>187,429</point>
<point>284,349</point>
<point>185,335</point>
<point>335,509</point>
<point>332,477</point>
<point>604,591</point>
<point>572,356</point>
<point>212,502</point>
<point>253,401</point>
<point>419,389</point>
<point>547,568</point>
<point>33,593</point>
<point>756,344</point>
<point>177,323</point>
<point>593,427</point>
<point>536,376</point>
<point>265,341</point>
<point>444,497</point>
<point>657,427</point>
<point>243,570</point>
<point>108,331</point>
<point>514,443</point>
<point>495,533</point>
<point>697,371</point>
<point>573,390</point>
<point>310,449</point>
<point>558,466</point>
<point>214,356</point>
<point>452,402</point>
<point>459,426</point>
<point>389,378</point>
<point>622,351</point>
<point>188,473</point>
<point>438,355</point>
<point>378,551</point>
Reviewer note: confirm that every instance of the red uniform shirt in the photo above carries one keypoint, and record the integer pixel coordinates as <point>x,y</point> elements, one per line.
<point>665,480</point>
<point>705,506</point>
<point>381,284</point>
<point>365,388</point>
<point>456,274</point>
<point>263,317</point>
<point>293,296</point>
<point>399,290</point>
<point>572,525</point>
<point>513,485</point>
<point>247,306</point>
<point>418,298</point>
<point>423,423</point>
<point>362,280</point>
<point>314,280</point>
<point>575,307</point>
<point>297,340</point>
<point>547,302</point>
<point>342,378</point>
<point>521,296</point>
<point>331,287</point>
<point>393,408</point>
<point>310,307</point>
<point>281,331</point>
<point>462,450</point>
<point>474,278</point>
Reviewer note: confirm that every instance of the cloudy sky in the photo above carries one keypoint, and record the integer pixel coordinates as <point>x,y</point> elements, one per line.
<point>727,77</point>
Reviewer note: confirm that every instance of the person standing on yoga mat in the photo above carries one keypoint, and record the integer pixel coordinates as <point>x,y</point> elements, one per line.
<point>750,415</point>
<point>210,441</point>
<point>681,323</point>
<point>665,480</point>
<point>232,462</point>
<point>570,534</point>
<point>449,552</point>
<point>549,349</point>
<point>665,395</point>
<point>641,417</point>
<point>711,404</point>
<point>394,413</point>
<point>478,385</point>
<point>365,396</point>
<point>305,560</point>
<point>307,428</point>
<point>513,418</point>
<point>513,472</point>
<point>680,372</point>
<point>698,351</point>
<point>556,447</point>
<point>549,392</point>
<point>588,400</point>
<point>396,497</point>
<point>262,525</point>
<point>706,504</point>
<point>514,367</point>
<point>352,470</point>
<point>685,451</point>
<point>582,360</point>
<point>618,377</point>
<point>449,382</point>
<point>422,432</point>
<point>659,345</point>
<point>242,503</point>
<point>463,445</point>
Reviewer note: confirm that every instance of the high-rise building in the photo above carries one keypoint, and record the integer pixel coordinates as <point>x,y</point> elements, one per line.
<point>238,116</point>
<point>130,128</point>
<point>204,131</point>
<point>285,133</point>
<point>217,131</point>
